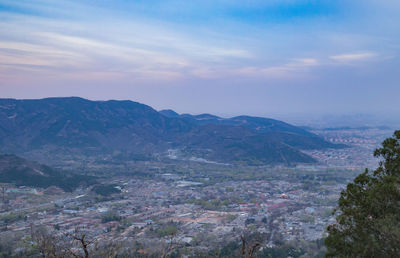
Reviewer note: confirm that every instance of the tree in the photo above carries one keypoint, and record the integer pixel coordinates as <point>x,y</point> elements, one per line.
<point>248,250</point>
<point>47,243</point>
<point>368,213</point>
<point>171,245</point>
<point>82,241</point>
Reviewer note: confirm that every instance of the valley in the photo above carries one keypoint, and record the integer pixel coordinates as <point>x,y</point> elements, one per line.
<point>190,196</point>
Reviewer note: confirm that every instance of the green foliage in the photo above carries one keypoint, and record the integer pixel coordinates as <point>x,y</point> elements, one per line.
<point>110,216</point>
<point>252,227</point>
<point>368,216</point>
<point>12,217</point>
<point>229,189</point>
<point>231,217</point>
<point>105,190</point>
<point>214,204</point>
<point>230,250</point>
<point>167,230</point>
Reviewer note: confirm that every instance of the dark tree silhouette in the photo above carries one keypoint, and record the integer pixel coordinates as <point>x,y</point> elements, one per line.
<point>368,214</point>
<point>249,249</point>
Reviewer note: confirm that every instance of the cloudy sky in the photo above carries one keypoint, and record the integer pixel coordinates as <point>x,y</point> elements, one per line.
<point>218,56</point>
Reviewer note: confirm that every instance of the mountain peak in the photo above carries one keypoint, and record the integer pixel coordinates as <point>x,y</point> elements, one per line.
<point>168,113</point>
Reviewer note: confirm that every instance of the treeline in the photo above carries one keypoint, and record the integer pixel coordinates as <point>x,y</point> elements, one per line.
<point>46,243</point>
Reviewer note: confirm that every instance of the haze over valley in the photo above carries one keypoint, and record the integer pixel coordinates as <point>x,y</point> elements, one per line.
<point>199,128</point>
<point>122,171</point>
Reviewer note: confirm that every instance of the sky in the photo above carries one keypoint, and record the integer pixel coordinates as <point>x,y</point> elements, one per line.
<point>226,57</point>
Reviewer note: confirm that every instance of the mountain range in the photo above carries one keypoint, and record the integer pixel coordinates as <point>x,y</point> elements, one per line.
<point>46,126</point>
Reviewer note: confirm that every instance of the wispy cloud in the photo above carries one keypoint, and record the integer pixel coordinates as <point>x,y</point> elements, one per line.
<point>277,43</point>
<point>295,68</point>
<point>353,57</point>
<point>135,48</point>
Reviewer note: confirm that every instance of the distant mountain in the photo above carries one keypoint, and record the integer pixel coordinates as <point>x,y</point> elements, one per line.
<point>75,125</point>
<point>256,124</point>
<point>22,172</point>
<point>82,124</point>
<point>291,135</point>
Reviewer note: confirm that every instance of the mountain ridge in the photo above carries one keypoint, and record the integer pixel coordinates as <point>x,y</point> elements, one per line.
<point>77,124</point>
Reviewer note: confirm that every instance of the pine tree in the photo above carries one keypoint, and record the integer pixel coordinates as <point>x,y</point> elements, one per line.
<point>368,214</point>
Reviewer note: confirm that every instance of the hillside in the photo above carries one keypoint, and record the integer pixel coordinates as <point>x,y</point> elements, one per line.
<point>19,171</point>
<point>233,143</point>
<point>75,125</point>
<point>283,132</point>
